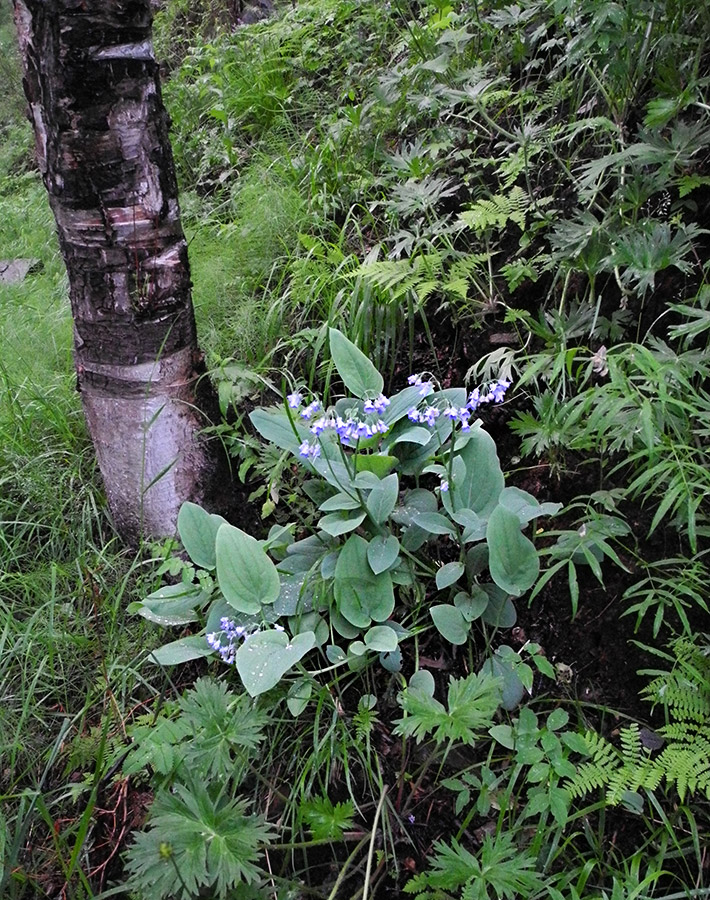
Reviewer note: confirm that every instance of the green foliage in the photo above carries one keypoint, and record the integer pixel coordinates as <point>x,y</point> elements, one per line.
<point>471,706</point>
<point>684,760</point>
<point>365,556</point>
<point>385,170</point>
<point>326,820</point>
<point>200,835</point>
<point>196,840</point>
<point>501,870</point>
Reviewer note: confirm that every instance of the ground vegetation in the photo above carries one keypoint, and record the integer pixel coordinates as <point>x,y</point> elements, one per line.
<point>450,269</point>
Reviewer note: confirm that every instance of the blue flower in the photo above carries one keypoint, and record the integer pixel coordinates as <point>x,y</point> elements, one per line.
<point>226,640</point>
<point>429,415</point>
<point>320,425</point>
<point>312,408</point>
<point>309,451</point>
<point>425,386</point>
<point>474,400</point>
<point>295,399</point>
<point>378,405</point>
<point>497,391</point>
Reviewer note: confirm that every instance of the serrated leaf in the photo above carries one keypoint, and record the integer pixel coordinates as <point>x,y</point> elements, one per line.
<point>357,372</point>
<point>247,577</point>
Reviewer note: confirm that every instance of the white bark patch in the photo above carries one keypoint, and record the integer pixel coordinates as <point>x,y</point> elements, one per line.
<point>142,50</point>
<point>152,436</point>
<point>168,259</point>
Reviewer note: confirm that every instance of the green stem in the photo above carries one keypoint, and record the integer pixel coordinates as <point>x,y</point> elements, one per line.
<point>346,866</point>
<point>371,850</point>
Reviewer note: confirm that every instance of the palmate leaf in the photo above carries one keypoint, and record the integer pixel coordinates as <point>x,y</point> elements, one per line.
<point>221,724</point>
<point>326,820</point>
<point>196,842</point>
<point>500,871</point>
<point>472,704</point>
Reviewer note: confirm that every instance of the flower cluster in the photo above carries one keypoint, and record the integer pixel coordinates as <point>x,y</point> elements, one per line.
<point>425,385</point>
<point>494,393</point>
<point>226,640</point>
<point>349,430</point>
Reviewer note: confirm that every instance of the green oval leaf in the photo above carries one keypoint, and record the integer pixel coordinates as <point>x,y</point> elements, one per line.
<point>449,574</point>
<point>265,657</point>
<point>184,650</point>
<point>484,479</point>
<point>500,609</point>
<point>382,552</point>
<point>341,522</point>
<point>513,560</point>
<point>173,604</point>
<point>450,623</point>
<point>383,499</point>
<point>381,638</point>
<point>198,529</point>
<point>359,375</point>
<point>378,463</point>
<point>338,502</point>
<point>247,577</point>
<point>298,696</point>
<point>434,523</point>
<point>471,605</point>
<point>512,688</point>
<point>360,595</point>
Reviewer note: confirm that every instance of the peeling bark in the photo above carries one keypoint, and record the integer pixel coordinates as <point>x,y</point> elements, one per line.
<point>103,150</point>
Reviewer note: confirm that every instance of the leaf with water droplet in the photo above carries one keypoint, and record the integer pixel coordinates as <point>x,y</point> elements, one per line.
<point>265,657</point>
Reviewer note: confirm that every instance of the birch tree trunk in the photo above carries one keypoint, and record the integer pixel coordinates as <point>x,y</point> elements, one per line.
<point>101,133</point>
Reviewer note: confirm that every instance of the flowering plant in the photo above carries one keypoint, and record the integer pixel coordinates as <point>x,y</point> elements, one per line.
<point>415,520</point>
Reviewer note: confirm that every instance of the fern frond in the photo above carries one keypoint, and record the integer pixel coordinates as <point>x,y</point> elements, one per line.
<point>497,211</point>
<point>684,762</point>
<point>419,275</point>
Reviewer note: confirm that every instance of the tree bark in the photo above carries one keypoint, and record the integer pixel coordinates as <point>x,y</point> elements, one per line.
<point>103,150</point>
